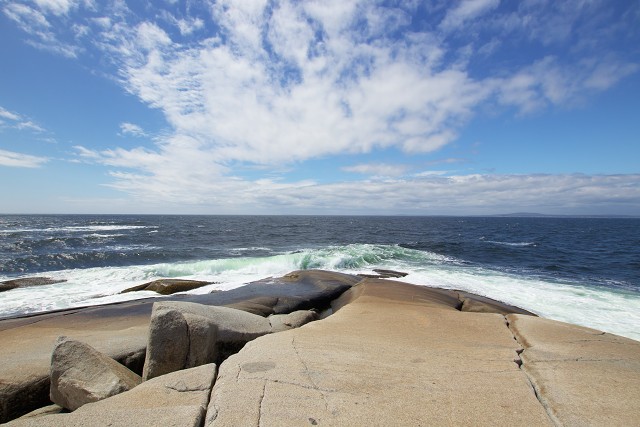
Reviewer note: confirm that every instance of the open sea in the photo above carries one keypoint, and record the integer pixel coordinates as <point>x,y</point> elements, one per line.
<point>579,270</point>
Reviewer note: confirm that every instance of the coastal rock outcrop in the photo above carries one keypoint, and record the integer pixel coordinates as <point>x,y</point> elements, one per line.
<point>28,281</point>
<point>176,399</point>
<point>168,286</point>
<point>120,330</point>
<point>183,335</point>
<point>80,375</point>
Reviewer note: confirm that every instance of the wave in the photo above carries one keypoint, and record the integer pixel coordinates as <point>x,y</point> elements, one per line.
<point>73,229</point>
<point>608,309</point>
<point>514,244</point>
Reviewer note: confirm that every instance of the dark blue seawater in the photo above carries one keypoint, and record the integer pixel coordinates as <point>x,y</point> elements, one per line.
<point>535,262</point>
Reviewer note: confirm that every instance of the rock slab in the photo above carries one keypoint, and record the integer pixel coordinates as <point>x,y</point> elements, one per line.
<point>80,375</point>
<point>391,354</point>
<point>584,377</point>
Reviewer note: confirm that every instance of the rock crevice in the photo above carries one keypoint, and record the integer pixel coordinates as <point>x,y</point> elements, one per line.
<point>534,387</point>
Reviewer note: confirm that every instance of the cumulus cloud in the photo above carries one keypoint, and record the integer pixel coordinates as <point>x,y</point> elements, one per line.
<point>19,160</point>
<point>273,84</point>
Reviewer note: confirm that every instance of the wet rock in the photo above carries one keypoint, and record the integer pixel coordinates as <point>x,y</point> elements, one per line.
<point>389,274</point>
<point>80,374</point>
<point>28,281</point>
<point>168,286</point>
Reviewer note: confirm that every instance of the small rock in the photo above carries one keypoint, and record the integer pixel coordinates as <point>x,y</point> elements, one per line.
<point>168,286</point>
<point>389,273</point>
<point>80,374</point>
<point>283,322</point>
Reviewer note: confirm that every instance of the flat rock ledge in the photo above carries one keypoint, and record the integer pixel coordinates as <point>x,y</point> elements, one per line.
<point>390,354</point>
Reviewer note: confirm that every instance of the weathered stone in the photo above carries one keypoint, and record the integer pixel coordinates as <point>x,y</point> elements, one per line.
<point>168,286</point>
<point>46,410</point>
<point>176,399</point>
<point>583,377</point>
<point>394,354</point>
<point>120,330</point>
<point>28,281</point>
<point>284,322</point>
<point>479,304</point>
<point>168,343</point>
<point>390,273</point>
<point>80,375</point>
<point>185,334</point>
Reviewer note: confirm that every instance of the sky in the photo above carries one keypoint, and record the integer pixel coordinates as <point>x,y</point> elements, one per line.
<point>435,107</point>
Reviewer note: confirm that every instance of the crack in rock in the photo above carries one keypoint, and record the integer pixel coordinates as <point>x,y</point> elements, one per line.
<point>518,361</point>
<point>308,373</point>
<point>260,410</point>
<point>180,386</point>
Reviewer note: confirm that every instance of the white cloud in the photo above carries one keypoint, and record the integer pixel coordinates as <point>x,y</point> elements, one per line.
<point>57,7</point>
<point>19,160</point>
<point>427,193</point>
<point>276,83</point>
<point>36,24</point>
<point>9,115</point>
<point>466,11</point>
<point>19,122</point>
<point>131,129</point>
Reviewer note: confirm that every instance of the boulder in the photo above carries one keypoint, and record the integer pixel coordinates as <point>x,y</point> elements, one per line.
<point>168,286</point>
<point>80,374</point>
<point>176,399</point>
<point>28,281</point>
<point>284,322</point>
<point>183,335</point>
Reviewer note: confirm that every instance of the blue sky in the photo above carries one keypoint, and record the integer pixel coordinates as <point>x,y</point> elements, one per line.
<point>320,107</point>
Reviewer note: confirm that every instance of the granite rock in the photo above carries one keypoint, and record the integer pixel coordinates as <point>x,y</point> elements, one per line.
<point>80,375</point>
<point>183,335</point>
<point>178,399</point>
<point>284,322</point>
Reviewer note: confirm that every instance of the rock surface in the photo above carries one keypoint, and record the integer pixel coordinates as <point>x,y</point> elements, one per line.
<point>120,331</point>
<point>582,376</point>
<point>28,281</point>
<point>81,375</point>
<point>183,335</point>
<point>168,286</point>
<point>392,354</point>
<point>284,322</point>
<point>176,399</point>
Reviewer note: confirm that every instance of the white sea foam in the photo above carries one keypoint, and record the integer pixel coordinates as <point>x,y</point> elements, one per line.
<point>610,310</point>
<point>75,229</point>
<point>512,244</point>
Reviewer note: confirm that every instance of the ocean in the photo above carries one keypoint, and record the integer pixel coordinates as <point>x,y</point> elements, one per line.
<point>579,270</point>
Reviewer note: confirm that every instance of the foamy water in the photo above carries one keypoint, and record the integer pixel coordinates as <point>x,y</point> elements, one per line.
<point>608,309</point>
